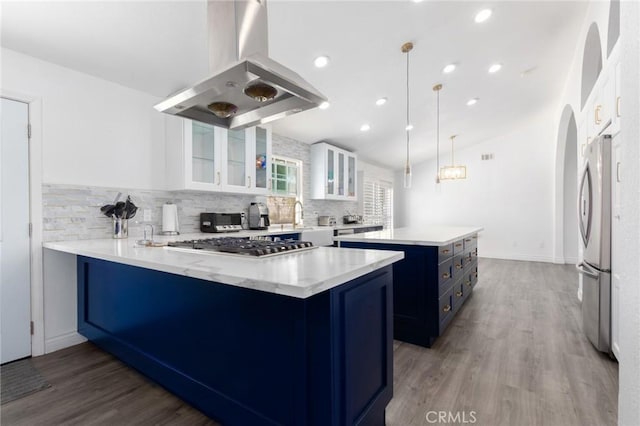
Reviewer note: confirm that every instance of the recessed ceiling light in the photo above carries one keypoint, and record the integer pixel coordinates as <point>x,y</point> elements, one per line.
<point>365,128</point>
<point>483,15</point>
<point>409,127</point>
<point>449,68</point>
<point>381,101</point>
<point>324,105</point>
<point>417,1</point>
<point>495,68</point>
<point>472,101</point>
<point>321,61</point>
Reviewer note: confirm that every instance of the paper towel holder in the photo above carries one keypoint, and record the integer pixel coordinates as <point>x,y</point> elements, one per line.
<point>170,225</point>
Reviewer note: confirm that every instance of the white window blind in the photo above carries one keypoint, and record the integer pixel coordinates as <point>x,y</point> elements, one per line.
<point>378,203</point>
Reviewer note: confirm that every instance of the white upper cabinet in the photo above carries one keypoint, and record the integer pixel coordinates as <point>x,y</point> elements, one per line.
<point>333,173</point>
<point>615,100</point>
<point>261,164</point>
<point>602,111</point>
<point>208,158</point>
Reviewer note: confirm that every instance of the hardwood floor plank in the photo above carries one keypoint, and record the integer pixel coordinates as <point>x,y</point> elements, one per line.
<point>515,355</point>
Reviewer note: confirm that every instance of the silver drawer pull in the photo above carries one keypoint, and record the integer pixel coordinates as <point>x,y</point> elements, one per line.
<point>446,274</point>
<point>446,308</point>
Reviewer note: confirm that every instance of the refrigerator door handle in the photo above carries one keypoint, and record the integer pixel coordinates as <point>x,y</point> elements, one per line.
<point>585,269</point>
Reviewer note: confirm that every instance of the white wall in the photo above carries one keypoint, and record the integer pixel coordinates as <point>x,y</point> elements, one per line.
<point>374,171</point>
<point>629,373</point>
<point>629,319</point>
<point>510,196</point>
<point>570,194</point>
<point>60,295</point>
<point>597,12</point>
<point>94,132</point>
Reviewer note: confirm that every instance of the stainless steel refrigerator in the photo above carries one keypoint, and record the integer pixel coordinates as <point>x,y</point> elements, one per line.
<point>595,228</point>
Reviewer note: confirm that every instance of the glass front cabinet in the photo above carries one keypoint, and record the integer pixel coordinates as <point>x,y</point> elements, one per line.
<point>208,158</point>
<point>333,173</point>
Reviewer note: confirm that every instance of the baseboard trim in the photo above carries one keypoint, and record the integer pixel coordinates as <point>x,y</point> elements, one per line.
<point>64,341</point>
<point>521,257</point>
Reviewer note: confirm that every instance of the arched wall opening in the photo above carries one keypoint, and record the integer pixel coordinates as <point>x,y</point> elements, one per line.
<point>566,183</point>
<point>591,63</point>
<point>570,185</point>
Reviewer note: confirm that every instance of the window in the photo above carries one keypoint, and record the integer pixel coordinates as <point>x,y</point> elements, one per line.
<point>286,189</point>
<point>378,203</point>
<point>285,176</point>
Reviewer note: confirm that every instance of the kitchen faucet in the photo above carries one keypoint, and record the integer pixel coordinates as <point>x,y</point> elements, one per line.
<point>294,213</point>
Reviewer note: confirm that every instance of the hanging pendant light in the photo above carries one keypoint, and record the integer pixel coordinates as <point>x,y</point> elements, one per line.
<point>453,172</point>
<point>437,89</point>
<point>406,48</point>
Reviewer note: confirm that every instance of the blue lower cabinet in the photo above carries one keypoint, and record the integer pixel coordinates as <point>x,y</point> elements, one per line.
<point>430,285</point>
<point>246,357</point>
<point>290,236</point>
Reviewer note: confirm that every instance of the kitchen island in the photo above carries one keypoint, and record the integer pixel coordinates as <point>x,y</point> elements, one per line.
<point>304,338</point>
<point>436,277</point>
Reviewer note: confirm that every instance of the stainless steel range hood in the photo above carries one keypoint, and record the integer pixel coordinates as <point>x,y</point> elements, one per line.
<point>247,87</point>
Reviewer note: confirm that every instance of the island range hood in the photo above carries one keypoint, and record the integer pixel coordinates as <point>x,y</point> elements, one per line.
<point>247,87</point>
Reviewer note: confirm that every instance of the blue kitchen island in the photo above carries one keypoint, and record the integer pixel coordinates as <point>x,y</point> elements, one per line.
<point>432,282</point>
<point>298,339</point>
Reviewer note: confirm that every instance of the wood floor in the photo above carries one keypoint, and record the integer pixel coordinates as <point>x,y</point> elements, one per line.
<point>515,355</point>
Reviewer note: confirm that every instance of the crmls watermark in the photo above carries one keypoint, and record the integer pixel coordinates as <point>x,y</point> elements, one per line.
<point>458,417</point>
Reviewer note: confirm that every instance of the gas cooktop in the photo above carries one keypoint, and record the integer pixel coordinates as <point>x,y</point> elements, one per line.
<point>243,246</point>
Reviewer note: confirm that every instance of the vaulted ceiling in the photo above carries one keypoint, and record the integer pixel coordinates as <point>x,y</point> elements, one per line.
<point>159,47</point>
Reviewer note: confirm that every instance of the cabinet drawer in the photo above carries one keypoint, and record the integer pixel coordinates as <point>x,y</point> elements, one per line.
<point>445,252</point>
<point>467,283</point>
<point>458,247</point>
<point>445,276</point>
<point>467,261</point>
<point>445,309</point>
<point>458,295</point>
<point>474,253</point>
<point>457,267</point>
<point>474,276</point>
<point>470,242</point>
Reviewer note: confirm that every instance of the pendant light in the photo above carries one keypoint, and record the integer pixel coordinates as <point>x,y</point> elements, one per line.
<point>406,48</point>
<point>437,89</point>
<point>453,172</point>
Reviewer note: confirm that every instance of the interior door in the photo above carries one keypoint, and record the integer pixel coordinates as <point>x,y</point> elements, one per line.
<point>15,293</point>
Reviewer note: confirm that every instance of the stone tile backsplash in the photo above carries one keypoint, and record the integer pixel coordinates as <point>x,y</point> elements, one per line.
<point>72,212</point>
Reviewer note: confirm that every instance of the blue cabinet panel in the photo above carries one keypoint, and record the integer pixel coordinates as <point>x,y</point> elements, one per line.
<point>242,356</point>
<point>429,287</point>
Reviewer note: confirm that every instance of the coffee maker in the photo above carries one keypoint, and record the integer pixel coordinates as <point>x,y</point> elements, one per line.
<point>258,216</point>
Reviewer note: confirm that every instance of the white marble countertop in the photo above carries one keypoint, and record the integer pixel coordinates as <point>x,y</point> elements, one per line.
<point>434,235</point>
<point>300,274</point>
